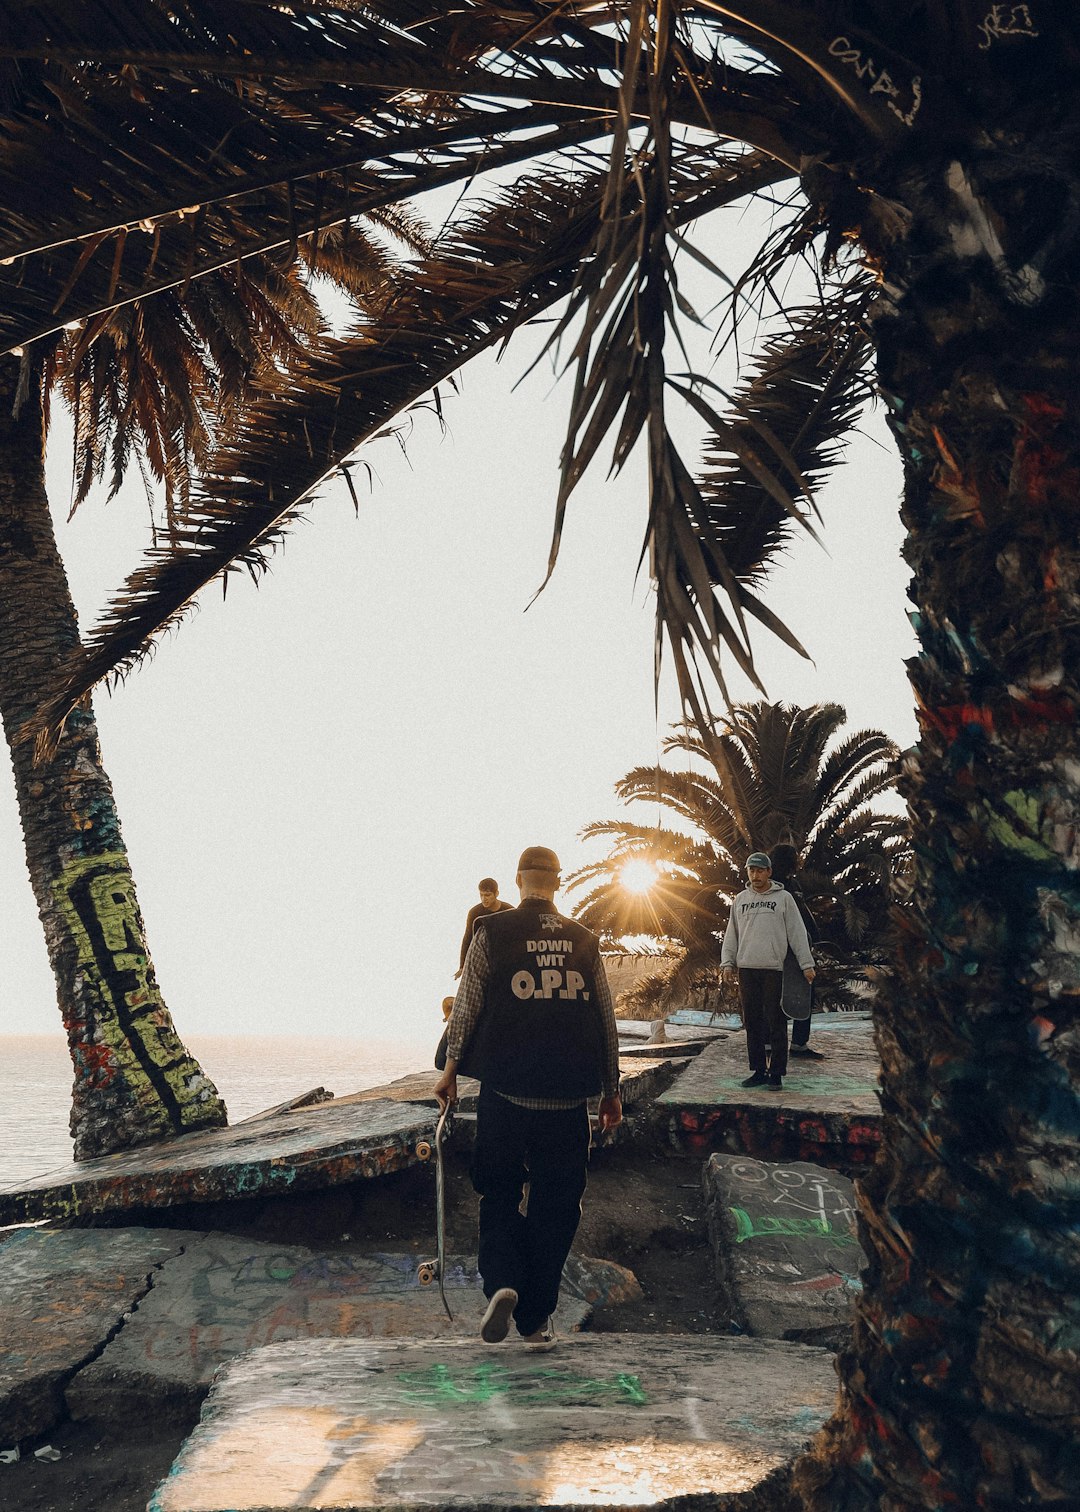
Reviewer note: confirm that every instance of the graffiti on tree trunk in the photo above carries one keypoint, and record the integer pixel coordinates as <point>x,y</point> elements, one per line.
<point>126,1030</point>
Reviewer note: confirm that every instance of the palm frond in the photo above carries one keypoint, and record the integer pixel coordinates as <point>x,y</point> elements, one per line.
<point>499,266</point>
<point>805,391</point>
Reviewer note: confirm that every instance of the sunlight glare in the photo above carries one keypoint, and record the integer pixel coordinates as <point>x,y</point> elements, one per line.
<point>639,876</point>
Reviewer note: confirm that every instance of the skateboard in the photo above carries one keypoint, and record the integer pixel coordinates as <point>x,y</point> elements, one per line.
<point>796,990</point>
<point>434,1270</point>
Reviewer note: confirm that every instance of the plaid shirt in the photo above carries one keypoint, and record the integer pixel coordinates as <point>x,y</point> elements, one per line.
<point>469,1004</point>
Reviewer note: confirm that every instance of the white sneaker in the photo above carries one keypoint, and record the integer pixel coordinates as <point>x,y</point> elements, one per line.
<point>543,1339</point>
<point>495,1324</point>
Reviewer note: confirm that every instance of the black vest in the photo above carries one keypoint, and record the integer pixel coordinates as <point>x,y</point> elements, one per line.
<point>539,1033</point>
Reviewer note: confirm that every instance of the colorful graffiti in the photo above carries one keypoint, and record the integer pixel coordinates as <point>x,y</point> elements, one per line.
<point>786,1247</point>
<point>125,1037</point>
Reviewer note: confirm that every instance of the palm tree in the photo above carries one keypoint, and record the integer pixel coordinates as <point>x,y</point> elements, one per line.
<point>134,1079</point>
<point>156,380</point>
<point>922,160</point>
<point>777,783</point>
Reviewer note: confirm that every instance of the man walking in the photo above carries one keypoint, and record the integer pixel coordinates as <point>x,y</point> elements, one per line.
<point>533,1022</point>
<point>764,923</point>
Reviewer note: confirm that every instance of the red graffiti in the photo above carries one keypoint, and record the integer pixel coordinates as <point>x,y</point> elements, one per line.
<point>97,1063</point>
<point>1033,711</point>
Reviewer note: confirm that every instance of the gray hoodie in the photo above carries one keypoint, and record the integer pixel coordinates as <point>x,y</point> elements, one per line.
<point>760,929</point>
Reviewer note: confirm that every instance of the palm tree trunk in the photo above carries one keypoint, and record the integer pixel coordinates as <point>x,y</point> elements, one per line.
<point>962,1385</point>
<point>134,1080</point>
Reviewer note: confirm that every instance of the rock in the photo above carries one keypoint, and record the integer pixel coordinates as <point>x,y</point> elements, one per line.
<point>785,1247</point>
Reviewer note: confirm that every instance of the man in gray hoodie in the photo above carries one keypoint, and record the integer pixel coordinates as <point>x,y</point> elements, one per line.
<point>764,923</point>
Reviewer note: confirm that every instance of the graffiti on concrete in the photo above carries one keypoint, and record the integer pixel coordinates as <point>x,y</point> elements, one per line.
<point>791,1202</point>
<point>344,1423</point>
<point>768,1224</point>
<point>126,1030</point>
<point>299,1150</point>
<point>828,1115</point>
<point>785,1243</point>
<point>439,1385</point>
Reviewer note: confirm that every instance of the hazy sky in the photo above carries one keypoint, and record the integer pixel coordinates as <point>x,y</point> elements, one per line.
<point>312,776</point>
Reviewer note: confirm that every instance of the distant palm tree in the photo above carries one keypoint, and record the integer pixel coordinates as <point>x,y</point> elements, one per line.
<point>778,783</point>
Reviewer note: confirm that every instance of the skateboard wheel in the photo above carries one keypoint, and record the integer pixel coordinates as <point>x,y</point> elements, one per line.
<point>426,1273</point>
<point>423,1150</point>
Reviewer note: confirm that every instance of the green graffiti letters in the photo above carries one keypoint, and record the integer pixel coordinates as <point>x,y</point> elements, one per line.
<point>1020,836</point>
<point>436,1386</point>
<point>768,1225</point>
<point>127,1030</point>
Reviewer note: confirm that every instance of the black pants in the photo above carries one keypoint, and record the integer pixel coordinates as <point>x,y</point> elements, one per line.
<point>760,993</point>
<point>800,1031</point>
<point>550,1151</point>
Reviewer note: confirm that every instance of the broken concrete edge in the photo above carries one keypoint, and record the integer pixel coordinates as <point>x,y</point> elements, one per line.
<point>302,1100</point>
<point>219,1182</point>
<point>40,1405</point>
<point>720,1228</point>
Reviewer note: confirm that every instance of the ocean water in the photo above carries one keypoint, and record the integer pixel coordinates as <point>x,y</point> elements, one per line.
<point>252,1072</point>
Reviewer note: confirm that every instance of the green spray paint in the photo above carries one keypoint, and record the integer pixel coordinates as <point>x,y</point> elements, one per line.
<point>768,1225</point>
<point>438,1386</point>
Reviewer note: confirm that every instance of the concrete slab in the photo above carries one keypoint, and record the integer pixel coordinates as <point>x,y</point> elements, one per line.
<point>224,1295</point>
<point>61,1296</point>
<point>828,1111</point>
<point>294,1151</point>
<point>415,1088</point>
<point>643,1075</point>
<point>607,1420</point>
<point>665,1049</point>
<point>696,1018</point>
<point>785,1246</point>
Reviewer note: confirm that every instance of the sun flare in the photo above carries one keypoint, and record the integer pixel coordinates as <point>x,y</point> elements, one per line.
<point>639,876</point>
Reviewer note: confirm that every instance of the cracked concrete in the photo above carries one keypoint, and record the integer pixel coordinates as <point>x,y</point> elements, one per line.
<point>63,1298</point>
<point>225,1295</point>
<point>103,1321</point>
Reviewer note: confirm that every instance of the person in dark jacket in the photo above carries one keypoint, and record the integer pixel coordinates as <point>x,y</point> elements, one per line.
<point>489,903</point>
<point>534,1023</point>
<point>785,866</point>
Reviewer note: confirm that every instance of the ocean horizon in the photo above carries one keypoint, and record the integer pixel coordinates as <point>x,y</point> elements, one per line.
<point>252,1073</point>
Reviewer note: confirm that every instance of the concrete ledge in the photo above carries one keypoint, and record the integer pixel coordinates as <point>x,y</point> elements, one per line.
<point>608,1421</point>
<point>827,1112</point>
<point>294,1151</point>
<point>785,1247</point>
